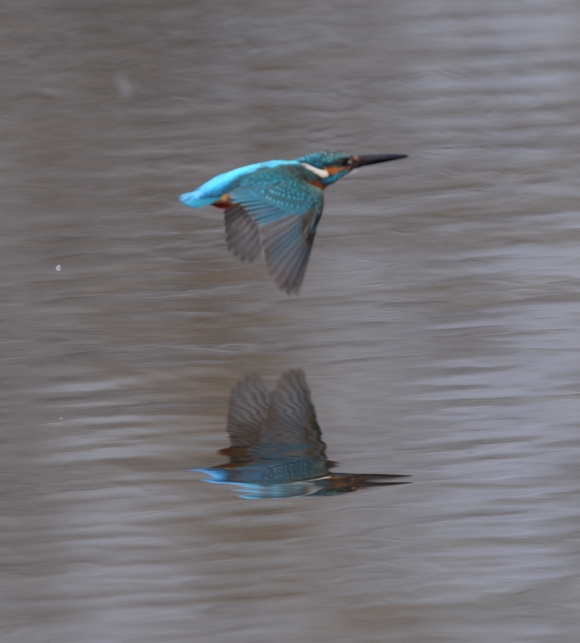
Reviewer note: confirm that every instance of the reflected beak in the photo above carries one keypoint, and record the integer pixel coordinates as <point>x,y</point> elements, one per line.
<point>359,161</point>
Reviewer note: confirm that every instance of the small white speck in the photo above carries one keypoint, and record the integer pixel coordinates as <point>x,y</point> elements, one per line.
<point>58,268</point>
<point>61,418</point>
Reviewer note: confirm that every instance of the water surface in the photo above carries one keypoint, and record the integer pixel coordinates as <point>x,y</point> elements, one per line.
<point>437,325</point>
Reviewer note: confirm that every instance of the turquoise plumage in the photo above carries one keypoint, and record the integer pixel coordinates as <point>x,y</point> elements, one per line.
<point>274,207</point>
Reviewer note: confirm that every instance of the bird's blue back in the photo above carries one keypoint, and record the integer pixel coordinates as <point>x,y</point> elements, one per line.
<point>288,188</point>
<point>224,183</point>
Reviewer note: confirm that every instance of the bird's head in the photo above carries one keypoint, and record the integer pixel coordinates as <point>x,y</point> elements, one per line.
<point>331,166</point>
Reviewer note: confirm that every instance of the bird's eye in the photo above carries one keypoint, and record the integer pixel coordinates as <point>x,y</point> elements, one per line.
<point>345,161</point>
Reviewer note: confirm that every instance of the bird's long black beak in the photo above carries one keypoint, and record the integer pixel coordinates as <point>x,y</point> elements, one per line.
<point>359,161</point>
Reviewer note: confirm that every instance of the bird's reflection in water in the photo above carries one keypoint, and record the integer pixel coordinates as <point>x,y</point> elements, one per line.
<point>276,448</point>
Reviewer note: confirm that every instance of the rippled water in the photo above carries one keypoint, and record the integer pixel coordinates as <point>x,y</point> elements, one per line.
<point>438,325</point>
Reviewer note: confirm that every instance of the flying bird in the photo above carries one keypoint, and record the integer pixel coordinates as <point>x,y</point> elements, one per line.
<point>276,448</point>
<point>274,207</point>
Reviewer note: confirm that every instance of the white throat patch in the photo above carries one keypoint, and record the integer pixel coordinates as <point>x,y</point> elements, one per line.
<point>323,174</point>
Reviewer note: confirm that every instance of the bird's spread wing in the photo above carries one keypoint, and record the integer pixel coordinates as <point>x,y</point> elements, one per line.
<point>285,209</point>
<point>242,233</point>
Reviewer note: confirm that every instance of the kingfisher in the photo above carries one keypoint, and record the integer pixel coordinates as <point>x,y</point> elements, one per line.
<point>276,448</point>
<point>275,206</point>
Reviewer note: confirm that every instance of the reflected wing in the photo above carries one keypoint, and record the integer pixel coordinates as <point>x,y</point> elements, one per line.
<point>286,210</point>
<point>291,428</point>
<point>247,412</point>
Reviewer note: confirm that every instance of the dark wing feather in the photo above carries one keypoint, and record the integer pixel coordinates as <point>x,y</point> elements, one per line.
<point>242,233</point>
<point>287,250</point>
<point>285,209</point>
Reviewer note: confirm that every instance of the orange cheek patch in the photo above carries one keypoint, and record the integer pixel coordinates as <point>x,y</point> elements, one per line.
<point>336,169</point>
